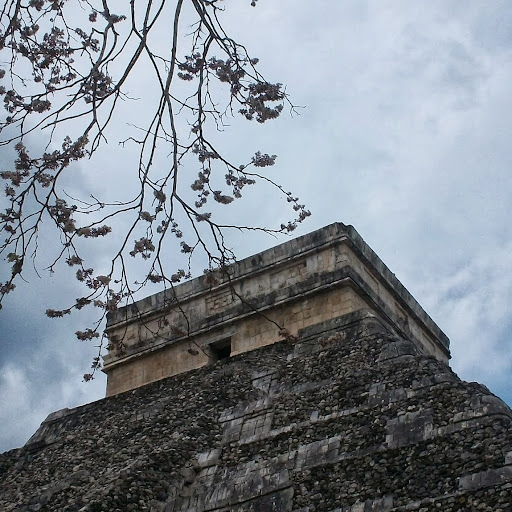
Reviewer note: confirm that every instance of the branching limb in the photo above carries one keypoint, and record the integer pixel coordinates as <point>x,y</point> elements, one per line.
<point>55,77</point>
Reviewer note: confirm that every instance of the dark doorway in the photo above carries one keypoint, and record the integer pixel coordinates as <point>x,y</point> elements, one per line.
<point>220,349</point>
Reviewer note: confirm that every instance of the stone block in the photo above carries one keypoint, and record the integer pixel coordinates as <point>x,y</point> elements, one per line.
<point>489,478</point>
<point>409,428</point>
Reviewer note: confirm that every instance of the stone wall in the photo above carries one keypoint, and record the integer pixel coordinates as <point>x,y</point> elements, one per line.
<point>352,418</point>
<point>311,279</point>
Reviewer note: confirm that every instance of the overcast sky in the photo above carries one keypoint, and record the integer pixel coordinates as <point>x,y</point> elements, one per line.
<point>405,134</point>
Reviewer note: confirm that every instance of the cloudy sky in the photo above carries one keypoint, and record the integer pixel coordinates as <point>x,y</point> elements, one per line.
<point>405,134</point>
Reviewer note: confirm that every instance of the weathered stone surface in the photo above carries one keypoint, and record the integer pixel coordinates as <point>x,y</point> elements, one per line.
<point>348,419</point>
<point>299,284</point>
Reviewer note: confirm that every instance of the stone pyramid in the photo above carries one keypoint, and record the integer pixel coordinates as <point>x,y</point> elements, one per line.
<point>351,415</point>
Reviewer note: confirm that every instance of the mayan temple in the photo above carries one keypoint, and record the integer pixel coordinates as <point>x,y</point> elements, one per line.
<point>306,378</point>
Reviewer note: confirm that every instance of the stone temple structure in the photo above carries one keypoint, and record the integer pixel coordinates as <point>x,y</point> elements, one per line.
<point>305,379</point>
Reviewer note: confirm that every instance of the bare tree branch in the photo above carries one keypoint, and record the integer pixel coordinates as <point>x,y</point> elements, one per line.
<point>55,77</point>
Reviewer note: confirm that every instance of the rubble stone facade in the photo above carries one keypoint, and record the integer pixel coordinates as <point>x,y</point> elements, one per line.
<point>353,416</point>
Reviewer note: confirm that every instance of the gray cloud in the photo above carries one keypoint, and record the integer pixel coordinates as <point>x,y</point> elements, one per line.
<point>405,135</point>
